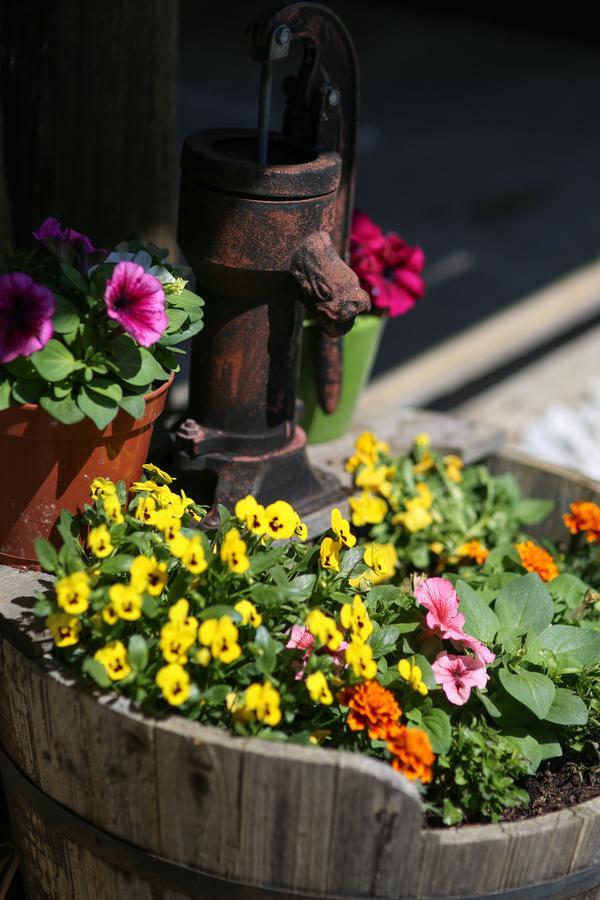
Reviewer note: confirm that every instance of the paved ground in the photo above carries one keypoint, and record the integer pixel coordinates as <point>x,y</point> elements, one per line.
<point>479,140</point>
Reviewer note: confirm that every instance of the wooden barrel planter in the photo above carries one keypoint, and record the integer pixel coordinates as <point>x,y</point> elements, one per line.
<point>107,803</point>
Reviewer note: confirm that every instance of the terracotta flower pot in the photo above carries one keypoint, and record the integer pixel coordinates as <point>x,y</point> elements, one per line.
<point>46,466</point>
<point>360,347</point>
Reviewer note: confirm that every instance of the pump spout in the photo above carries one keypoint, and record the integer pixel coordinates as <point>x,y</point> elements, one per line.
<point>326,286</point>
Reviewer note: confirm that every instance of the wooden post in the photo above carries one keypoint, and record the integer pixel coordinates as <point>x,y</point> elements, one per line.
<point>89,115</point>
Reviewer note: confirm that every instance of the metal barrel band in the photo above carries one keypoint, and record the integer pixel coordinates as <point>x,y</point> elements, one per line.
<point>196,883</point>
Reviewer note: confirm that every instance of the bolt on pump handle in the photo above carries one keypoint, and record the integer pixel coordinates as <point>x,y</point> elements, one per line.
<point>321,114</point>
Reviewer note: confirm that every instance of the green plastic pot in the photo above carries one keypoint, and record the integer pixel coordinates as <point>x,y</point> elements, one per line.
<point>360,347</point>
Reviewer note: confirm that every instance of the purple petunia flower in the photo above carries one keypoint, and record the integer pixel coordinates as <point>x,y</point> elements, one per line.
<point>63,240</point>
<point>137,301</point>
<point>26,310</point>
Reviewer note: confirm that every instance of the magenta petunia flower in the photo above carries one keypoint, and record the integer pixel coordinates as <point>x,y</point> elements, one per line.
<point>458,675</point>
<point>387,267</point>
<point>468,642</point>
<point>440,600</point>
<point>26,310</point>
<point>137,301</point>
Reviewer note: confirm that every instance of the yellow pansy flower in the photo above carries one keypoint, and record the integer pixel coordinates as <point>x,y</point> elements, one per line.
<point>300,529</point>
<point>148,486</point>
<point>109,615</point>
<point>169,524</point>
<point>454,465</point>
<point>193,556</point>
<point>360,657</point>
<point>281,520</point>
<point>264,701</point>
<point>179,613</point>
<point>112,508</point>
<point>102,487</point>
<point>355,616</point>
<point>203,656</point>
<point>174,682</point>
<point>422,440</point>
<point>178,546</point>
<point>145,511</point>
<point>324,629</point>
<point>375,478</point>
<point>125,601</point>
<point>147,574</point>
<point>424,495</point>
<point>233,552</point>
<point>64,629</point>
<point>330,554</point>
<point>249,613</point>
<point>341,529</point>
<point>221,635</point>
<point>367,509</point>
<point>383,561</point>
<point>178,504</point>
<point>437,547</point>
<point>99,541</point>
<point>175,641</point>
<point>154,470</point>
<point>249,511</point>
<point>410,672</point>
<point>317,687</point>
<point>416,517</point>
<point>114,659</point>
<point>426,463</point>
<point>73,592</point>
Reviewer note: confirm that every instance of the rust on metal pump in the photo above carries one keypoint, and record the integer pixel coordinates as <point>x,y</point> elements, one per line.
<point>264,221</point>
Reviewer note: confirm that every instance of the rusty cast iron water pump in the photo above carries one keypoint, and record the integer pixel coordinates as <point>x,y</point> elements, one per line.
<point>264,222</point>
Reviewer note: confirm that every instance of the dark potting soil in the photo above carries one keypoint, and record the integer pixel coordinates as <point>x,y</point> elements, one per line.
<point>556,786</point>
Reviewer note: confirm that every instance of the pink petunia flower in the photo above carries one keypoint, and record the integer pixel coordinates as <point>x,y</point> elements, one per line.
<point>26,310</point>
<point>137,301</point>
<point>458,675</point>
<point>438,596</point>
<point>300,638</point>
<point>481,652</point>
<point>387,267</point>
<point>68,245</point>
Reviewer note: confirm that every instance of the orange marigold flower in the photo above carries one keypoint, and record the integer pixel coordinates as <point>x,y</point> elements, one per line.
<point>536,559</point>
<point>412,753</point>
<point>473,550</point>
<point>584,517</point>
<point>372,707</point>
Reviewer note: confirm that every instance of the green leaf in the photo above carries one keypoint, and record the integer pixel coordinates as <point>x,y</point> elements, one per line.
<point>532,689</point>
<point>350,560</point>
<point>525,604</point>
<point>569,589</point>
<point>4,394</point>
<point>150,606</point>
<point>116,565</point>
<point>125,357</point>
<point>106,387</point>
<point>96,671</point>
<point>426,671</point>
<point>216,694</point>
<point>572,647</point>
<point>46,554</point>
<point>27,391</point>
<point>480,621</point>
<point>65,410</point>
<point>66,317</point>
<point>54,361</point>
<point>133,404</point>
<point>137,652</point>
<point>150,371</point>
<point>437,725</point>
<point>74,278</point>
<point>531,511</point>
<point>43,607</point>
<point>266,651</point>
<point>168,339</point>
<point>186,300</point>
<point>221,609</point>
<point>384,640</point>
<point>101,410</point>
<point>567,709</point>
<point>176,319</point>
